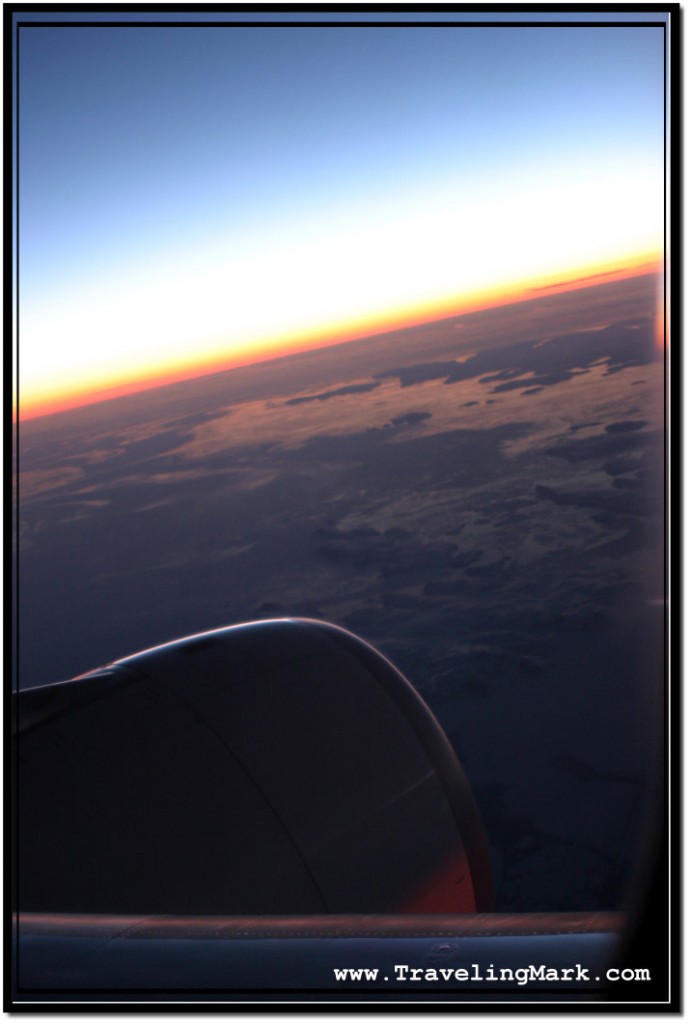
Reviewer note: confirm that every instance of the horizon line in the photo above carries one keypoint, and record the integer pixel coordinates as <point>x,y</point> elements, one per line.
<point>385,324</point>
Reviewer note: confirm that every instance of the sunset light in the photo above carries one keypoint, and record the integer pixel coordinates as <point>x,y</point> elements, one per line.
<point>257,239</point>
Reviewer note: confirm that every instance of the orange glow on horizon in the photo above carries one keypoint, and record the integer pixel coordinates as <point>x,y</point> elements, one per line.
<point>101,390</point>
<point>662,315</point>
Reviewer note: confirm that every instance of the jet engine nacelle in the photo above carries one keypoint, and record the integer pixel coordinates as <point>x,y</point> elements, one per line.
<point>276,767</point>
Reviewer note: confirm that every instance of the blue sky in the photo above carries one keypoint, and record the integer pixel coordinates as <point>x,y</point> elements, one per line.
<point>148,151</point>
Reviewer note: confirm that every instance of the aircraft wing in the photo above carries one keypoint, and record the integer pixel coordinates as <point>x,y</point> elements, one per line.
<point>248,812</point>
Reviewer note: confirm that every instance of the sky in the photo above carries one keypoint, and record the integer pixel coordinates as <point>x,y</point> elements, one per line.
<point>190,198</point>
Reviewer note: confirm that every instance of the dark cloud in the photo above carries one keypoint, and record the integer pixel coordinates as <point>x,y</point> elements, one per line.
<point>348,389</point>
<point>544,363</point>
<point>575,427</point>
<point>410,418</point>
<point>617,467</point>
<point>625,426</point>
<point>196,419</point>
<point>604,500</point>
<point>421,372</point>
<point>604,445</point>
<point>578,280</point>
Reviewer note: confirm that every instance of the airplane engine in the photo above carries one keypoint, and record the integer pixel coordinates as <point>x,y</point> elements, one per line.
<point>275,767</point>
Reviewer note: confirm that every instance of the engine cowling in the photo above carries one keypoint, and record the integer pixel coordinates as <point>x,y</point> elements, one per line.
<point>275,767</point>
